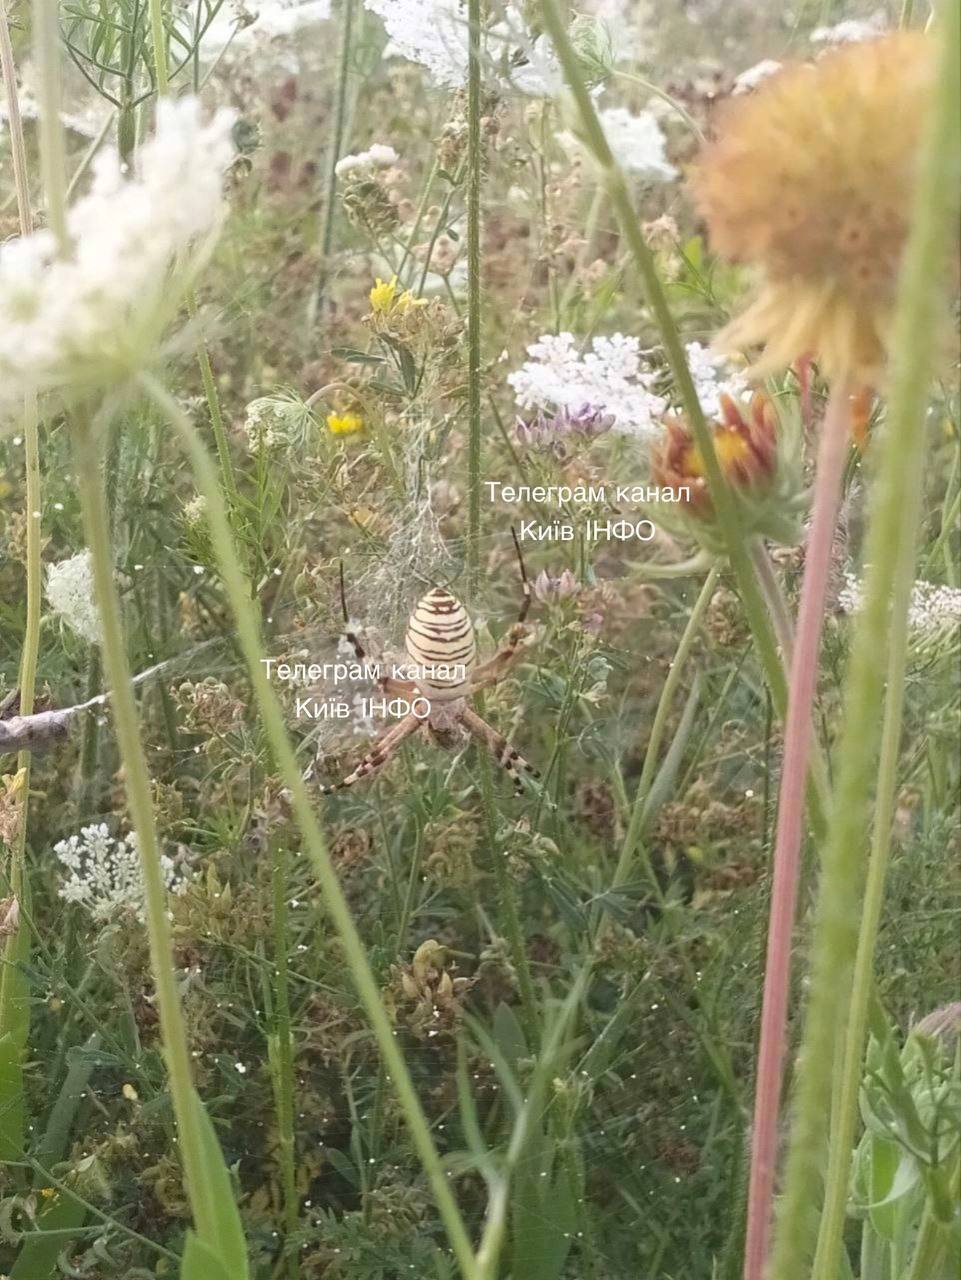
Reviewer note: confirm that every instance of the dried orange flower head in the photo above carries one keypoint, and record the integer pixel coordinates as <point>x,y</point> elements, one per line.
<point>810,180</point>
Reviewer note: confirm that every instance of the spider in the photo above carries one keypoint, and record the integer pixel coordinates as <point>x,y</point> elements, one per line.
<point>442,647</point>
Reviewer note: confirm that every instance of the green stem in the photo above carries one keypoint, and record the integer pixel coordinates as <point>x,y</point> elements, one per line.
<point>774,597</point>
<point>46,48</point>
<point>418,220</point>
<point>635,826</point>
<point>216,416</point>
<point>725,504</point>
<point>158,39</point>
<point>336,146</point>
<point>475,162</point>
<point>686,116</point>
<point>14,996</point>
<point>931,1259</point>
<point>93,502</point>
<point>284,1063</point>
<point>507,902</point>
<point>272,717</point>
<point>877,647</point>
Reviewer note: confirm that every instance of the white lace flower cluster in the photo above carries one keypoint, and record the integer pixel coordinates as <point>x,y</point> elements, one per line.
<point>611,378</point>
<point>435,36</point>
<point>104,874</point>
<point>88,319</point>
<point>71,596</point>
<point>638,143</point>
<point>934,611</point>
<point>852,30</point>
<point>275,20</point>
<point>713,377</point>
<point>377,156</point>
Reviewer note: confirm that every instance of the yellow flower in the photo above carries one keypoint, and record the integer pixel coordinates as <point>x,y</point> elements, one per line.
<point>810,180</point>
<point>384,298</point>
<point>383,293</point>
<point>344,424</point>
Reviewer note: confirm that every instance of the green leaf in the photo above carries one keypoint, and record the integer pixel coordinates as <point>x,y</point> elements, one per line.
<point>354,356</point>
<point>201,1263</point>
<point>39,1254</point>
<point>218,1192</point>
<point>509,1035</point>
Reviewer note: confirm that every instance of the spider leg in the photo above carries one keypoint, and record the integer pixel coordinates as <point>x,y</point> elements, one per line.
<point>389,684</point>
<point>525,585</point>
<point>379,754</point>
<point>495,668</point>
<point>507,756</point>
<point>488,673</point>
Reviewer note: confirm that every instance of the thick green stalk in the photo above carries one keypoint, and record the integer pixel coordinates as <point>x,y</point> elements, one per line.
<point>93,502</point>
<point>475,161</point>
<point>158,39</point>
<point>14,996</point>
<point>46,50</point>
<point>725,504</point>
<point>877,648</point>
<point>272,717</point>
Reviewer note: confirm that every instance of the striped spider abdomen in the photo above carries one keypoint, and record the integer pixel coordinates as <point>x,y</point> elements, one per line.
<point>441,644</point>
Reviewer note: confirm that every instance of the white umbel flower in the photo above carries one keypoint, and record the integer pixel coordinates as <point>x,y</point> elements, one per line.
<point>433,34</point>
<point>275,20</point>
<point>611,379</point>
<point>377,156</point>
<point>638,143</point>
<point>753,76</point>
<point>934,611</point>
<point>104,874</point>
<point>713,377</point>
<point>852,31</point>
<point>88,320</point>
<point>71,596</point>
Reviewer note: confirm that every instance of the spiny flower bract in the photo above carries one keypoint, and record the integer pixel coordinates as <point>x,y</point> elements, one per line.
<point>810,180</point>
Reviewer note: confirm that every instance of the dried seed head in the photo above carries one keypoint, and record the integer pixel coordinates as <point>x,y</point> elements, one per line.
<point>811,180</point>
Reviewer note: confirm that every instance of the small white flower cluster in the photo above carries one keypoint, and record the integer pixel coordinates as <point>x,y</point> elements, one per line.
<point>104,874</point>
<point>87,319</point>
<point>714,377</point>
<point>753,76</point>
<point>275,19</point>
<point>852,31</point>
<point>277,422</point>
<point>934,610</point>
<point>638,143</point>
<point>610,378</point>
<point>434,34</point>
<point>377,156</point>
<point>70,595</point>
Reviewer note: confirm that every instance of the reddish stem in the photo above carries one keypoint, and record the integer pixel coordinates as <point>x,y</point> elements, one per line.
<point>832,454</point>
<point>804,386</point>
